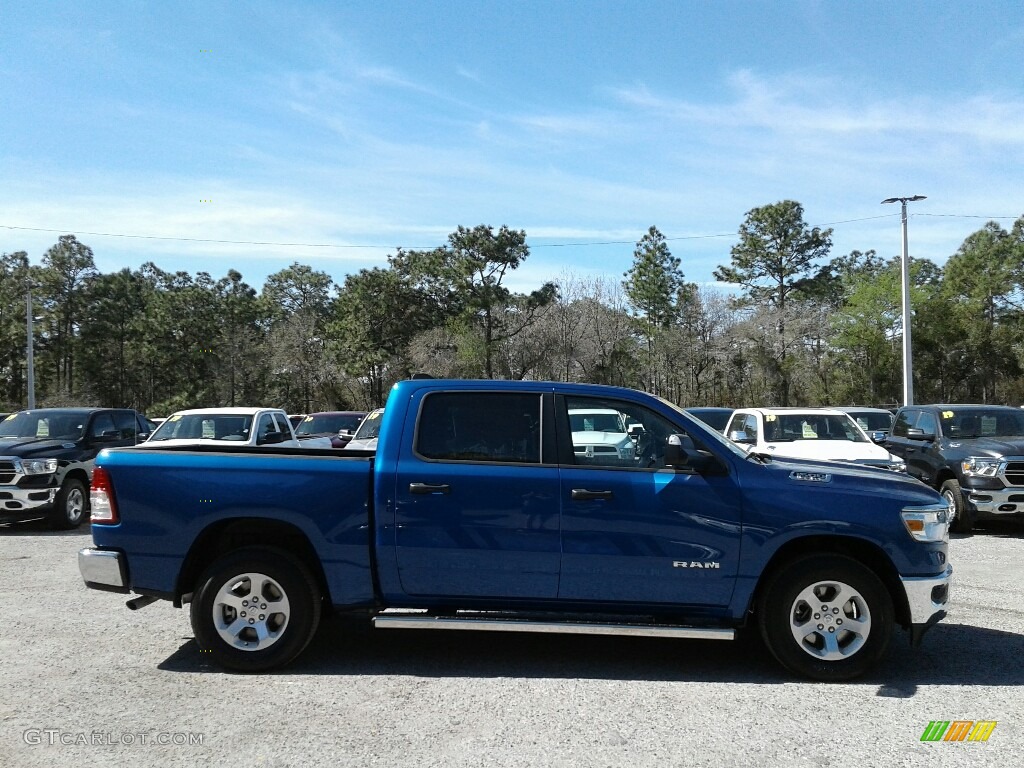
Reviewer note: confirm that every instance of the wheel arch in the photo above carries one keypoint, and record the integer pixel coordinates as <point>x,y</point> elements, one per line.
<point>225,536</point>
<point>77,473</point>
<point>865,552</point>
<point>944,474</point>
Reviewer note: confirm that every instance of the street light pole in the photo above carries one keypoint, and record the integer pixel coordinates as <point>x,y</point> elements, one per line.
<point>908,363</point>
<point>30,352</point>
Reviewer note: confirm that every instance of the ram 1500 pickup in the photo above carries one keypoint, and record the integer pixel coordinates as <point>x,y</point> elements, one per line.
<point>475,512</point>
<point>972,454</point>
<point>46,459</point>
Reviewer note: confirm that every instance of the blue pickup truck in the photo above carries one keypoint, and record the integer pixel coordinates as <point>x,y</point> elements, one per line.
<point>477,512</point>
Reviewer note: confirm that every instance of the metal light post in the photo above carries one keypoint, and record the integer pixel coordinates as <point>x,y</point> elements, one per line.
<point>29,352</point>
<point>908,364</point>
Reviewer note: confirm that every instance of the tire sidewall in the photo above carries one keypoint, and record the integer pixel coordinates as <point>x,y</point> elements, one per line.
<point>962,522</point>
<point>295,581</point>
<point>59,517</point>
<point>777,601</point>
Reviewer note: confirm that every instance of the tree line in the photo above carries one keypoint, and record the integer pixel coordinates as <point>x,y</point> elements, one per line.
<point>799,327</point>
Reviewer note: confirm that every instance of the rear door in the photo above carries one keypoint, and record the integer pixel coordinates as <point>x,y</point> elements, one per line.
<point>477,498</point>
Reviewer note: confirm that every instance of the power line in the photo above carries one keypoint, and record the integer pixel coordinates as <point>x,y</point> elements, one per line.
<point>580,244</point>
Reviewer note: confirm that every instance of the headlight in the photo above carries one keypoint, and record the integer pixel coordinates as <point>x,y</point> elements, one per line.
<point>979,466</point>
<point>37,466</point>
<point>930,523</point>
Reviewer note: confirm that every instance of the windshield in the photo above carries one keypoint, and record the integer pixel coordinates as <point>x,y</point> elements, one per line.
<point>370,427</point>
<point>56,425</point>
<point>204,426</point>
<point>978,422</point>
<point>784,428</point>
<point>710,434</point>
<point>328,423</point>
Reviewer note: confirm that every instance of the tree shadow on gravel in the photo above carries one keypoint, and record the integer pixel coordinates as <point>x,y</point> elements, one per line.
<point>952,654</point>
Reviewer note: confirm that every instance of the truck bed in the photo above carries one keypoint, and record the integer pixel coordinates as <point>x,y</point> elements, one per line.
<point>325,493</point>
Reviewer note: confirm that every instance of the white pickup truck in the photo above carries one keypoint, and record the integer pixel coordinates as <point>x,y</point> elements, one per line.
<point>232,425</point>
<point>823,434</point>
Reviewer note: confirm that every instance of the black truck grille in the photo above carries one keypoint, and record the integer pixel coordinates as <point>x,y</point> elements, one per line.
<point>6,471</point>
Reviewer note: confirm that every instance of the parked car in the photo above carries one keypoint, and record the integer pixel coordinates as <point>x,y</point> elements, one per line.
<point>715,417</point>
<point>876,422</point>
<point>238,425</point>
<point>338,426</point>
<point>823,434</point>
<point>365,437</point>
<point>601,433</point>
<point>972,454</point>
<point>47,456</point>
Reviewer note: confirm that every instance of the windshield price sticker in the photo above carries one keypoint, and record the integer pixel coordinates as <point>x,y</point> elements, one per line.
<point>947,414</point>
<point>769,417</point>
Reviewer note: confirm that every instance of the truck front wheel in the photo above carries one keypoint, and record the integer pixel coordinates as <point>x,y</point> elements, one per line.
<point>961,521</point>
<point>255,609</point>
<point>828,618</point>
<point>70,506</point>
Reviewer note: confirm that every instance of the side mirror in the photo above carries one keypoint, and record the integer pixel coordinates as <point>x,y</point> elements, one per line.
<point>270,438</point>
<point>107,436</point>
<point>878,436</point>
<point>913,433</point>
<point>739,436</point>
<point>678,451</point>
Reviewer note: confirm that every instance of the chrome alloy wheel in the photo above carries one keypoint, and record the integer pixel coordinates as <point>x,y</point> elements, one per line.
<point>830,620</point>
<point>74,505</point>
<point>947,494</point>
<point>251,611</point>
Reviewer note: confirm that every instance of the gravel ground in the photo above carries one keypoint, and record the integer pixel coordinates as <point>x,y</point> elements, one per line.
<point>84,681</point>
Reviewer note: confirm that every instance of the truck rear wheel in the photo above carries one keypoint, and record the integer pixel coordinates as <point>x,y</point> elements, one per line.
<point>826,617</point>
<point>70,507</point>
<point>255,609</point>
<point>962,522</point>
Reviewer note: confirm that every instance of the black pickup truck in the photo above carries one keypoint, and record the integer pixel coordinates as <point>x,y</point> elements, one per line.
<point>972,454</point>
<point>47,456</point>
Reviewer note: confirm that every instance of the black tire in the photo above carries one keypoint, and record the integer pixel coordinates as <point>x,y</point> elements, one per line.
<point>71,507</point>
<point>234,640</point>
<point>962,521</point>
<point>784,613</point>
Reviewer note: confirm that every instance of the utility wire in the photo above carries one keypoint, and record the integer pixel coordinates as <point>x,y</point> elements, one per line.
<point>534,246</point>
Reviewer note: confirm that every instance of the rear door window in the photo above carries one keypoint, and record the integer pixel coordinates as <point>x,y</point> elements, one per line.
<point>480,426</point>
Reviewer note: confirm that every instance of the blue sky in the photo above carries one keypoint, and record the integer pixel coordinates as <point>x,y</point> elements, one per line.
<point>371,125</point>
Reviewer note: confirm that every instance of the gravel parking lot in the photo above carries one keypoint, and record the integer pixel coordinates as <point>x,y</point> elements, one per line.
<point>85,681</point>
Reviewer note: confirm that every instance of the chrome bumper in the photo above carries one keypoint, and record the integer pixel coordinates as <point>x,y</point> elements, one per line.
<point>927,596</point>
<point>102,569</point>
<point>996,502</point>
<point>14,499</point>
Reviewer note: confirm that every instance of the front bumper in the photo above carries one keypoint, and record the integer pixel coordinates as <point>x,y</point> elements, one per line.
<point>103,569</point>
<point>999,502</point>
<point>927,597</point>
<point>17,502</point>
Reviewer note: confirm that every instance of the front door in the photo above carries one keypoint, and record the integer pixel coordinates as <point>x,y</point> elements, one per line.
<point>636,532</point>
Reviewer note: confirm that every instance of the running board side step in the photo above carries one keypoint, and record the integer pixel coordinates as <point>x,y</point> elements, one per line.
<point>421,621</point>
